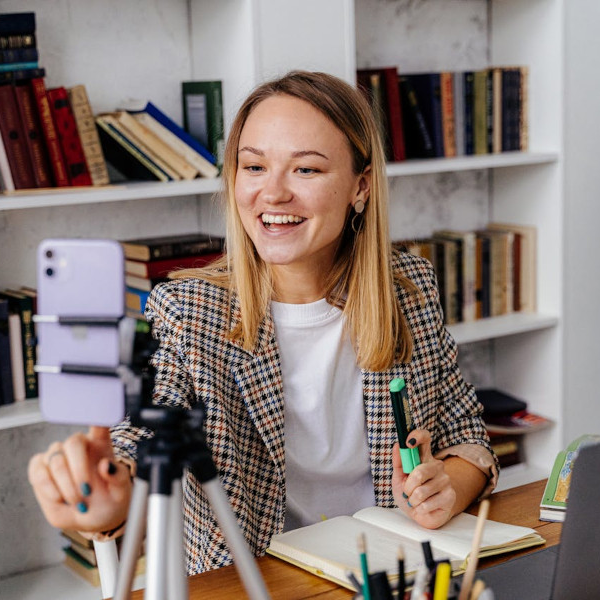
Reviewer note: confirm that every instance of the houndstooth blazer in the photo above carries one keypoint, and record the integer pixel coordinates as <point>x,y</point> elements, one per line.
<point>243,396</point>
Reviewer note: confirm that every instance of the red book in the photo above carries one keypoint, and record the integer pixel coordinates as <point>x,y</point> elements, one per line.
<point>57,160</point>
<point>155,269</point>
<point>68,134</point>
<point>13,137</point>
<point>33,134</point>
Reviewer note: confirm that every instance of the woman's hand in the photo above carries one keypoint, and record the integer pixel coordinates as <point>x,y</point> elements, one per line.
<point>79,485</point>
<point>426,495</point>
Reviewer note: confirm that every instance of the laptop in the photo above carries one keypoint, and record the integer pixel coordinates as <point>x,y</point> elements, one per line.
<point>571,569</point>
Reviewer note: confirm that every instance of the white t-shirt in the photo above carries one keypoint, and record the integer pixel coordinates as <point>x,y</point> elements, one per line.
<point>328,470</point>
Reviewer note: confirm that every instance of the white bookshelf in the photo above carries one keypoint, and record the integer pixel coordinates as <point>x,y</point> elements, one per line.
<point>242,42</point>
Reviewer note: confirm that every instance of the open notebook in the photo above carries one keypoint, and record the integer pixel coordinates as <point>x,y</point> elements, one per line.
<point>329,548</point>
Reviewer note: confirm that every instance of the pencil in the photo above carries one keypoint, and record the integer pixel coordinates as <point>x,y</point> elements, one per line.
<point>401,576</point>
<point>477,589</point>
<point>442,581</point>
<point>467,581</point>
<point>362,549</point>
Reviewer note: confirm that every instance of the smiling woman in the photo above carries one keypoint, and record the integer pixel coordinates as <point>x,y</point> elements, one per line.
<point>290,342</point>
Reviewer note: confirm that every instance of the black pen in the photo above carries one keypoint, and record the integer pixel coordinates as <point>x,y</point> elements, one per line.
<point>402,416</point>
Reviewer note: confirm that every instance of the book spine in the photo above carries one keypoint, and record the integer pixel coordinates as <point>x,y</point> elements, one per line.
<point>20,66</point>
<point>416,131</point>
<point>55,154</point>
<point>64,120</point>
<point>6,178</point>
<point>459,112</point>
<point>161,268</point>
<point>33,134</point>
<point>524,110</point>
<point>428,92</point>
<point>13,136</point>
<point>163,119</point>
<point>497,120</point>
<point>16,357</point>
<point>394,107</point>
<point>489,110</point>
<point>17,22</point>
<point>468,78</point>
<point>480,112</point>
<point>6,377</point>
<point>14,41</point>
<point>447,106</point>
<point>88,134</point>
<point>18,55</point>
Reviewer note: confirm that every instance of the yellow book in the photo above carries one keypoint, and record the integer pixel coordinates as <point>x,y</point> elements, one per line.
<point>328,548</point>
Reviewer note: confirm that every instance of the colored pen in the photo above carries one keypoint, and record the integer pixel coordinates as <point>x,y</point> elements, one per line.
<point>428,555</point>
<point>352,579</point>
<point>442,581</point>
<point>401,576</point>
<point>362,549</point>
<point>402,416</point>
<point>467,580</point>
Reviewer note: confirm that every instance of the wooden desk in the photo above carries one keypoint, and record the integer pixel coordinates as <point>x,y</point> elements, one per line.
<point>519,506</point>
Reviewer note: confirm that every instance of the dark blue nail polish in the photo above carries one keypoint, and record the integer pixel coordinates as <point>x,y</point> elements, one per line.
<point>86,490</point>
<point>412,442</point>
<point>409,505</point>
<point>82,507</point>
<point>404,496</point>
<point>112,468</point>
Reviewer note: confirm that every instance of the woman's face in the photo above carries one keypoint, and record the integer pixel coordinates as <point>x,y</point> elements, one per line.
<point>294,184</point>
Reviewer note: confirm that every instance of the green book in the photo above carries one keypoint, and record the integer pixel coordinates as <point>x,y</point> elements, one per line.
<point>554,500</point>
<point>203,115</point>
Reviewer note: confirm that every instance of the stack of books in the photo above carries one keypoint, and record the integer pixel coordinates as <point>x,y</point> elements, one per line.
<point>507,419</point>
<point>80,557</point>
<point>445,114</point>
<point>484,273</point>
<point>47,136</point>
<point>149,261</point>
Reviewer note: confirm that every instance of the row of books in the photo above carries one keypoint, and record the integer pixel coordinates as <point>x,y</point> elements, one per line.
<point>148,261</point>
<point>50,137</point>
<point>80,557</point>
<point>484,273</point>
<point>446,114</point>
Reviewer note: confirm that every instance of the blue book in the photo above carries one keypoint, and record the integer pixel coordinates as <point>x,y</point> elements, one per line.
<point>17,23</point>
<point>20,66</point>
<point>19,55</point>
<point>135,300</point>
<point>183,135</point>
<point>6,386</point>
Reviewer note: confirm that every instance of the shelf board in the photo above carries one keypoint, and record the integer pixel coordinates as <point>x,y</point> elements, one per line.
<point>153,189</point>
<point>20,414</point>
<point>521,474</point>
<point>495,327</point>
<point>468,163</point>
<point>136,190</point>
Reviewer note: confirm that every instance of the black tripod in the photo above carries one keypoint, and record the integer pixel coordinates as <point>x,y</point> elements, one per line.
<point>178,443</point>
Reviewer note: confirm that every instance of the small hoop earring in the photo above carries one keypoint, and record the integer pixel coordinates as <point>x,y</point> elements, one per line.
<point>359,206</point>
<point>357,222</point>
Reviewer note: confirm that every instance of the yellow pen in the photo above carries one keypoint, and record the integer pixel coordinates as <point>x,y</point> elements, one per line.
<point>442,581</point>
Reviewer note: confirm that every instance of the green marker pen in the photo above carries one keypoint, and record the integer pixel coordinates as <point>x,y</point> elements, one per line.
<point>402,416</point>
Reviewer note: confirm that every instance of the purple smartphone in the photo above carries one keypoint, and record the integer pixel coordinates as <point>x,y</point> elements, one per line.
<point>79,279</point>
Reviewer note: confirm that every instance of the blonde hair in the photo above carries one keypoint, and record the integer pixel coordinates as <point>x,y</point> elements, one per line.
<point>361,282</point>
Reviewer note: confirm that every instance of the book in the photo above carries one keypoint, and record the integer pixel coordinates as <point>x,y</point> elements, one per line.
<point>34,137</point>
<point>89,572</point>
<point>172,246</point>
<point>328,548</point>
<point>459,111</point>
<point>161,268</point>
<point>480,101</point>
<point>88,134</point>
<point>124,155</point>
<point>17,55</point>
<point>17,22</point>
<point>203,166</point>
<point>500,270</point>
<point>135,301</point>
<point>13,137</point>
<point>55,153</point>
<point>144,284</point>
<point>203,115</point>
<point>18,40</point>
<point>183,135</point>
<point>448,117</point>
<point>88,554</point>
<point>469,99</point>
<point>6,376</point>
<point>553,504</point>
<point>508,448</point>
<point>17,364</point>
<point>76,537</point>
<point>391,107</point>
<point>22,305</point>
<point>427,87</point>
<point>68,136</point>
<point>161,152</point>
<point>6,179</point>
<point>417,137</point>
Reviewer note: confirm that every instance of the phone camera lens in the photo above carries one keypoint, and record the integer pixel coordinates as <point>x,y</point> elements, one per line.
<point>49,271</point>
<point>49,254</point>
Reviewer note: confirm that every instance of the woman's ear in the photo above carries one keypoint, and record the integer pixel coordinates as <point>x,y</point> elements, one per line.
<point>363,191</point>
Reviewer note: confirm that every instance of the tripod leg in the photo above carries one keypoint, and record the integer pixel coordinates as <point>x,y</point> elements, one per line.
<point>178,588</point>
<point>156,546</point>
<point>244,561</point>
<point>132,540</point>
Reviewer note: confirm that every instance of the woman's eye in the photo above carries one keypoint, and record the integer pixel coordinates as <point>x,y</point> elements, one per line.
<point>253,168</point>
<point>307,171</point>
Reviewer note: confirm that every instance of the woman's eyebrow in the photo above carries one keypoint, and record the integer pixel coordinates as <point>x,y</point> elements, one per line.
<point>296,154</point>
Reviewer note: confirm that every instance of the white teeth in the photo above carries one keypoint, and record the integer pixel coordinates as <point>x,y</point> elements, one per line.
<point>281,219</point>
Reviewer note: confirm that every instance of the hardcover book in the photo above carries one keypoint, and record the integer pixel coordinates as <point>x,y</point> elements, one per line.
<point>328,548</point>
<point>17,22</point>
<point>34,137</point>
<point>172,246</point>
<point>68,135</point>
<point>417,137</point>
<point>154,269</point>
<point>88,134</point>
<point>203,115</point>
<point>13,136</point>
<point>6,376</point>
<point>53,146</point>
<point>6,180</point>
<point>448,116</point>
<point>19,40</point>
